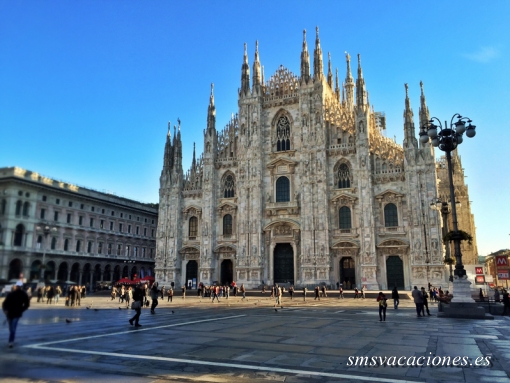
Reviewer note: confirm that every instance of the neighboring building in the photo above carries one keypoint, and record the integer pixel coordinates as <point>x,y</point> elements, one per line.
<point>490,265</point>
<point>92,236</point>
<point>302,187</point>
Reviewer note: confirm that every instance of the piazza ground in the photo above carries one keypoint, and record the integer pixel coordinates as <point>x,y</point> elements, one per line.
<point>194,340</point>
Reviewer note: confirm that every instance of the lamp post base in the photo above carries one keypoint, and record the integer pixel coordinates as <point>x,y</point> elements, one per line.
<point>463,305</point>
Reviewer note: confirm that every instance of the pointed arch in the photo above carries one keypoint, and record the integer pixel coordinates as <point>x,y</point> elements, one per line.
<point>343,174</point>
<point>282,123</point>
<point>228,184</point>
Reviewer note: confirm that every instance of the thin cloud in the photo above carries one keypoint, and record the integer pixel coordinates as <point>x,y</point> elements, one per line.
<point>483,55</point>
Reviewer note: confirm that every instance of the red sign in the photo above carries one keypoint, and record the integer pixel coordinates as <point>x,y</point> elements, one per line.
<point>491,284</point>
<point>502,261</point>
<point>480,280</point>
<point>503,275</point>
<point>478,270</point>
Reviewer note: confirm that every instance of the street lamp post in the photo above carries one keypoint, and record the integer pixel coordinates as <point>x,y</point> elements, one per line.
<point>46,230</point>
<point>447,138</point>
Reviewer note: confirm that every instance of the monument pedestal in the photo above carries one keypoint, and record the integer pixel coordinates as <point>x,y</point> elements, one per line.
<point>463,304</point>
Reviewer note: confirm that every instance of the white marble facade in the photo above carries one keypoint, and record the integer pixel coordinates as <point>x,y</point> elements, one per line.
<point>301,186</point>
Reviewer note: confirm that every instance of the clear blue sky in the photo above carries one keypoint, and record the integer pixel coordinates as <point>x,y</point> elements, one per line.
<point>87,87</point>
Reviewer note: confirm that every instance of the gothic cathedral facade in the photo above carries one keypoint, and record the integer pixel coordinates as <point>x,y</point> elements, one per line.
<point>302,187</point>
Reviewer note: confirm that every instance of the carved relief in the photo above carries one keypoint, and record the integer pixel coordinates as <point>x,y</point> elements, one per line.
<point>282,230</point>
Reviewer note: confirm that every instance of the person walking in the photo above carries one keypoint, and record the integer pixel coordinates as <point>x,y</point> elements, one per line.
<point>278,292</point>
<point>340,292</point>
<point>58,292</point>
<point>243,290</point>
<point>317,295</point>
<point>324,291</point>
<point>305,290</point>
<point>14,305</point>
<point>227,291</point>
<point>356,293</point>
<point>138,296</point>
<point>381,299</point>
<point>480,294</point>
<point>425,302</point>
<point>154,297</point>
<point>184,292</point>
<point>418,300</point>
<point>163,292</point>
<point>496,295</point>
<point>291,291</point>
<point>170,294</point>
<point>128,296</point>
<point>122,293</point>
<point>395,297</point>
<point>363,289</point>
<point>215,293</point>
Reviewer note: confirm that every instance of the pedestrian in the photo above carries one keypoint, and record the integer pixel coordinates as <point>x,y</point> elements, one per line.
<point>163,292</point>
<point>227,291</point>
<point>114,293</point>
<point>58,292</point>
<point>278,292</point>
<point>39,294</point>
<point>340,292</point>
<point>317,295</point>
<point>128,296</point>
<point>418,300</point>
<point>170,294</point>
<point>496,295</point>
<point>183,291</point>
<point>50,293</point>
<point>356,293</point>
<point>122,293</point>
<point>425,302</point>
<point>138,297</point>
<point>381,298</point>
<point>324,291</point>
<point>506,302</point>
<point>480,294</point>
<point>215,294</point>
<point>291,291</point>
<point>395,297</point>
<point>13,306</point>
<point>305,290</point>
<point>154,297</point>
<point>243,290</point>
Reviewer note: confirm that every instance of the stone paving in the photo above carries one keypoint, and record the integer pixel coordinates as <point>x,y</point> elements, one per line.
<point>194,340</point>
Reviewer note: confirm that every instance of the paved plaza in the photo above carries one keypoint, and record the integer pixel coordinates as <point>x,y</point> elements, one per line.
<point>194,340</point>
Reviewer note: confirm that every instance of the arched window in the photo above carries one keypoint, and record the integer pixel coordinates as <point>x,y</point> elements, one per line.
<point>282,134</point>
<point>344,177</point>
<point>26,207</point>
<point>229,187</point>
<point>227,224</point>
<point>2,208</point>
<point>66,244</point>
<point>18,235</point>
<point>344,218</point>
<point>19,206</point>
<point>390,215</point>
<point>282,189</point>
<point>193,227</point>
<point>53,243</point>
<point>78,246</point>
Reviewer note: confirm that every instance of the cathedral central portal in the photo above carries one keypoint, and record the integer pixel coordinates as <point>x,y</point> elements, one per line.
<point>283,263</point>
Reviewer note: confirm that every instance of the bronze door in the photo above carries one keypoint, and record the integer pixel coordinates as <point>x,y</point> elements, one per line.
<point>395,272</point>
<point>227,272</point>
<point>283,262</point>
<point>347,273</point>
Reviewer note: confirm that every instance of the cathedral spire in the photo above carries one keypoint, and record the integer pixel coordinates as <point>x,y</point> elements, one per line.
<point>262,76</point>
<point>349,83</point>
<point>256,67</point>
<point>177,149</point>
<point>409,132</point>
<point>318,68</point>
<point>211,113</point>
<point>305,60</point>
<point>168,157</point>
<point>361,93</point>
<point>337,88</point>
<point>194,161</point>
<point>424,110</point>
<point>245,73</point>
<point>330,73</point>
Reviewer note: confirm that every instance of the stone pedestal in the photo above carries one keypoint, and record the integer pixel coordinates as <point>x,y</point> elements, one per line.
<point>463,304</point>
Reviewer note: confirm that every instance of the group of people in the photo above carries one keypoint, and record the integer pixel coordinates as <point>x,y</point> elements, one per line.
<point>52,293</point>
